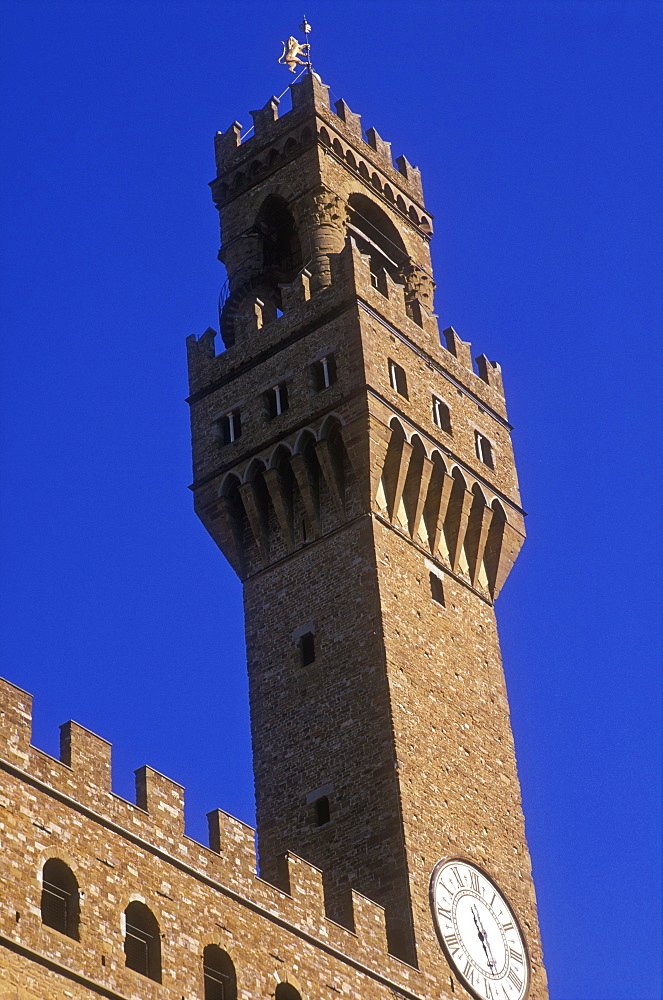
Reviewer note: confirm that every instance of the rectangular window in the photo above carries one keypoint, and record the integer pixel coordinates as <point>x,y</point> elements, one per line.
<point>436,589</point>
<point>229,427</point>
<point>484,450</point>
<point>397,378</point>
<point>441,415</point>
<point>276,399</point>
<point>323,373</point>
<point>307,648</point>
<point>322,811</point>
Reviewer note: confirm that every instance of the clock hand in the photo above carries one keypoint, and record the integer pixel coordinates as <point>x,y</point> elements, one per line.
<point>483,937</point>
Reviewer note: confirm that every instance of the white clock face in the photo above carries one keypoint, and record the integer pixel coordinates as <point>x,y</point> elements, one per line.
<point>479,931</point>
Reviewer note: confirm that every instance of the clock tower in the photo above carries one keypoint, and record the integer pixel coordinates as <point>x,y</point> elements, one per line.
<point>355,467</point>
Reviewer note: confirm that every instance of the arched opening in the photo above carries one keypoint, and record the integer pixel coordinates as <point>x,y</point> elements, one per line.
<point>494,543</point>
<point>142,941</point>
<point>286,482</point>
<point>290,147</point>
<point>219,974</point>
<point>452,522</point>
<point>60,898</point>
<point>324,137</point>
<point>350,160</point>
<point>432,506</point>
<point>281,250</point>
<point>388,193</point>
<point>376,235</point>
<point>413,481</point>
<point>284,991</point>
<point>473,533</point>
<point>313,471</point>
<point>392,464</point>
<point>338,148</point>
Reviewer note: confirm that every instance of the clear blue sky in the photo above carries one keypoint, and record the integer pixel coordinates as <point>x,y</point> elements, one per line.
<point>537,126</point>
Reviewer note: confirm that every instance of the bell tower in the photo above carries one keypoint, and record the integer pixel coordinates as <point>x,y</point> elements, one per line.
<point>358,475</point>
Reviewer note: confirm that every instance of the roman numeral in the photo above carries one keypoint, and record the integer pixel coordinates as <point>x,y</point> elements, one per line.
<point>507,927</point>
<point>453,944</point>
<point>488,989</point>
<point>444,913</point>
<point>458,878</point>
<point>515,955</point>
<point>474,881</point>
<point>514,979</point>
<point>469,973</point>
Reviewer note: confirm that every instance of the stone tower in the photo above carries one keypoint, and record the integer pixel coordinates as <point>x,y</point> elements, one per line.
<point>359,477</point>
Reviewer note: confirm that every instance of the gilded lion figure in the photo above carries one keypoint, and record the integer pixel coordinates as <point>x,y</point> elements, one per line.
<point>291,52</point>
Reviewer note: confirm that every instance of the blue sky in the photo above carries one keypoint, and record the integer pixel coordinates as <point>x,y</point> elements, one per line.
<point>537,127</point>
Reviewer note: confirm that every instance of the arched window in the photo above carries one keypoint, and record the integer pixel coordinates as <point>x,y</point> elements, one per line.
<point>218,974</point>
<point>376,235</point>
<point>60,898</point>
<point>142,941</point>
<point>284,991</point>
<point>280,243</point>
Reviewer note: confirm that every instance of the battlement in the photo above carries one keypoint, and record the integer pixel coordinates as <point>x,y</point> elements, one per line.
<point>406,307</point>
<point>310,97</point>
<point>78,796</point>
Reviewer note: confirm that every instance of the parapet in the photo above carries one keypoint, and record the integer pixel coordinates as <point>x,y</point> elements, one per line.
<point>81,782</point>
<point>310,96</point>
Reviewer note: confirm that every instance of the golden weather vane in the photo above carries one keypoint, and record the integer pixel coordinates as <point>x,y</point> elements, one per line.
<point>292,50</point>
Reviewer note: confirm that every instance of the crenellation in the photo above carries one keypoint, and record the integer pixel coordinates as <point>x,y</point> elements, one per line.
<point>490,372</point>
<point>350,119</point>
<point>233,840</point>
<point>16,722</point>
<point>89,757</point>
<point>162,799</point>
<point>382,148</point>
<point>265,116</point>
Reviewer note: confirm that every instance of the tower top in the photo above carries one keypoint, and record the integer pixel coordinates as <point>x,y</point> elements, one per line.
<point>339,125</point>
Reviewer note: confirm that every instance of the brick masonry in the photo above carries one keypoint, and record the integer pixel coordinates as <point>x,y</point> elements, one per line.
<point>334,513</point>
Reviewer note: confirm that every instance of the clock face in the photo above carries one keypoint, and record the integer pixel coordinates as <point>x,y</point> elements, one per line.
<point>479,931</point>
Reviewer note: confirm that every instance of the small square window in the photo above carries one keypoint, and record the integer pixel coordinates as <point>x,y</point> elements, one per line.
<point>397,378</point>
<point>276,400</point>
<point>436,589</point>
<point>229,427</point>
<point>323,373</point>
<point>441,415</point>
<point>484,450</point>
